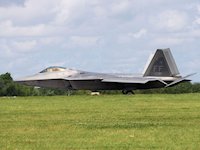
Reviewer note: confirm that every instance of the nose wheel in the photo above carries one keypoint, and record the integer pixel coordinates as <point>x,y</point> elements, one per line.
<point>126,92</point>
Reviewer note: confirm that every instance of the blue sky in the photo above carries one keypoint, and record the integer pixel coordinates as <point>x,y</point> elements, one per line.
<point>98,35</point>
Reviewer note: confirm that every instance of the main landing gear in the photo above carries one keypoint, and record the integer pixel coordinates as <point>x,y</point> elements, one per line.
<point>126,92</point>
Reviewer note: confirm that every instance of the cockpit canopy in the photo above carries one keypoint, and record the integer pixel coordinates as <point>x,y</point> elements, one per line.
<point>53,69</point>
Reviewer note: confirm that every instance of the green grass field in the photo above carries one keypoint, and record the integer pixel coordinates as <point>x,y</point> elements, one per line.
<point>100,122</point>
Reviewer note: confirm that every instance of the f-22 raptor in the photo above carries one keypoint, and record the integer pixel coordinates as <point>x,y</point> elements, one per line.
<point>160,71</point>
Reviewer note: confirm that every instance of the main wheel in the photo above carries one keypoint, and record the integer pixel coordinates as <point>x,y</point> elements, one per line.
<point>126,92</point>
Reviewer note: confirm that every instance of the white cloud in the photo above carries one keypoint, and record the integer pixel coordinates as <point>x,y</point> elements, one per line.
<point>138,34</point>
<point>167,41</point>
<point>24,46</point>
<point>10,49</point>
<point>132,36</point>
<point>5,51</point>
<point>83,41</point>
<point>100,11</point>
<point>192,66</point>
<point>197,18</point>
<point>88,29</point>
<point>120,7</point>
<point>32,12</point>
<point>170,20</point>
<point>198,8</point>
<point>51,40</point>
<point>11,2</point>
<point>192,34</point>
<point>7,29</point>
<point>66,10</point>
<point>197,21</point>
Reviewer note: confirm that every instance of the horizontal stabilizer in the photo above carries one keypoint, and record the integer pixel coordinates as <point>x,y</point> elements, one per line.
<point>180,80</point>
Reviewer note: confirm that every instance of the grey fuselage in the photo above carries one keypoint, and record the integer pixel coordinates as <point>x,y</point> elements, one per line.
<point>81,80</point>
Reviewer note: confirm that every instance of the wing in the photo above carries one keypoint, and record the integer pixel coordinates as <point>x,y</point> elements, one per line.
<point>132,80</point>
<point>138,82</point>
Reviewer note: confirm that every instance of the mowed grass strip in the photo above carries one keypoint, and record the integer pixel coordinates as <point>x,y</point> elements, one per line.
<point>101,122</point>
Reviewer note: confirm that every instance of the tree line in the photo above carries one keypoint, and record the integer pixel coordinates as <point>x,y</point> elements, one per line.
<point>9,88</point>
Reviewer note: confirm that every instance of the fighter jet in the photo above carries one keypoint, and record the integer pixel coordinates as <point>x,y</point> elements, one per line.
<point>160,71</point>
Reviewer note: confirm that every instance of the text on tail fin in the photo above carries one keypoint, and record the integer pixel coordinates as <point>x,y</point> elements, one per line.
<point>162,64</point>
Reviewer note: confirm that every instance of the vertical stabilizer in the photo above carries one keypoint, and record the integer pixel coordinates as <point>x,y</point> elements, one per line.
<point>162,64</point>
